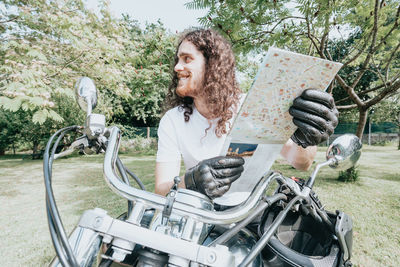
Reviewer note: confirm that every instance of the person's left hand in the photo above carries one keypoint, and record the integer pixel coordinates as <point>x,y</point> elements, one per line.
<point>315,114</point>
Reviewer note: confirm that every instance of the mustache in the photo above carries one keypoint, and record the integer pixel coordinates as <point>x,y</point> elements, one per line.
<point>183,74</point>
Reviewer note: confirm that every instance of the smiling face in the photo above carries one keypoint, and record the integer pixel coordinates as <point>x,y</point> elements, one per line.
<point>190,70</point>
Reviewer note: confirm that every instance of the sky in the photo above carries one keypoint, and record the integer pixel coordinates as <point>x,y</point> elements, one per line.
<point>172,13</point>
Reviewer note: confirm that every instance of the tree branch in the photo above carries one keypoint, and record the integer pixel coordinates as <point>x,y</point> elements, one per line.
<point>271,31</point>
<point>350,91</point>
<point>310,36</point>
<point>360,51</point>
<point>371,48</point>
<point>9,20</point>
<point>370,90</point>
<point>66,64</point>
<point>347,107</point>
<point>325,36</point>
<point>395,27</point>
<point>390,89</point>
<point>386,69</point>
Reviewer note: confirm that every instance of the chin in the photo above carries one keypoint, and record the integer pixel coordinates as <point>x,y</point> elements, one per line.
<point>183,92</point>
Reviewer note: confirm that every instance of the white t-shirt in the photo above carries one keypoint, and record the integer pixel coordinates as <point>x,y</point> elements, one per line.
<point>177,138</point>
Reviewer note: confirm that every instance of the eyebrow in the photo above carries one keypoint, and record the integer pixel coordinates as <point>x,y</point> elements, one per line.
<point>182,54</point>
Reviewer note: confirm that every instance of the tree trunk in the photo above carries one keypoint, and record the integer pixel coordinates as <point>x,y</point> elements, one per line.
<point>2,151</point>
<point>148,132</point>
<point>35,147</point>
<point>398,133</point>
<point>362,120</point>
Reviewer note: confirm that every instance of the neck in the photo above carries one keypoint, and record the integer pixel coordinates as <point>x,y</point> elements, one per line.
<point>202,107</point>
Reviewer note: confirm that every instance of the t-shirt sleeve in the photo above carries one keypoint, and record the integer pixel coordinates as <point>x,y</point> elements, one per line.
<point>168,148</point>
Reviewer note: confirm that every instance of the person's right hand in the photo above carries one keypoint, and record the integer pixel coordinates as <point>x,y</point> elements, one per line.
<point>213,177</point>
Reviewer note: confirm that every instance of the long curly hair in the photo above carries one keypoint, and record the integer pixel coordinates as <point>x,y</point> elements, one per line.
<point>220,87</point>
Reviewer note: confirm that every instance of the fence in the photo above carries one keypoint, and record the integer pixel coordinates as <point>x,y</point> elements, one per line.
<point>374,133</point>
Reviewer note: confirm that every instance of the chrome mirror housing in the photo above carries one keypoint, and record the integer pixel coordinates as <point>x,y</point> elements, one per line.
<point>86,94</point>
<point>345,150</point>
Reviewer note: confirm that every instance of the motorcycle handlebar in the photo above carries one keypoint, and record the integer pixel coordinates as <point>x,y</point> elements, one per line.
<point>151,200</point>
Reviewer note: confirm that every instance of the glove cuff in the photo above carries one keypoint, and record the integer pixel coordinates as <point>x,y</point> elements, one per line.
<point>189,180</point>
<point>297,140</point>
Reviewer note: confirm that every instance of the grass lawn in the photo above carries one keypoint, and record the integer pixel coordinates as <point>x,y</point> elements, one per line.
<point>373,202</point>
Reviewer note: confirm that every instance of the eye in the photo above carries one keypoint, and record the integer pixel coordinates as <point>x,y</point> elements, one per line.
<point>187,59</point>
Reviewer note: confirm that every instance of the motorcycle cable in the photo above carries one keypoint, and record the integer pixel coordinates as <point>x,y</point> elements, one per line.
<point>267,202</point>
<point>133,175</point>
<point>57,231</point>
<point>137,179</point>
<point>122,170</point>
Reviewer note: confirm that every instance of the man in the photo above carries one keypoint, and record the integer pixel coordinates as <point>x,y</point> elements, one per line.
<point>204,98</point>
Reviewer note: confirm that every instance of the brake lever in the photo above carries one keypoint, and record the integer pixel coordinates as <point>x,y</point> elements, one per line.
<point>79,143</point>
<point>170,201</point>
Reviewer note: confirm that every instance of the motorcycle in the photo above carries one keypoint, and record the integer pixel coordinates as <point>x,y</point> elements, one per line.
<point>289,227</point>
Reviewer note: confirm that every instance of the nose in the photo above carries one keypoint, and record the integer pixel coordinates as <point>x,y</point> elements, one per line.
<point>178,67</point>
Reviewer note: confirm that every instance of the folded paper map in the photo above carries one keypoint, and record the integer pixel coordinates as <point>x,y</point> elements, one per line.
<point>263,121</point>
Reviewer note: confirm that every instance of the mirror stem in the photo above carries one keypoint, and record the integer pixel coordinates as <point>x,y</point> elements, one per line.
<point>89,106</point>
<point>310,181</point>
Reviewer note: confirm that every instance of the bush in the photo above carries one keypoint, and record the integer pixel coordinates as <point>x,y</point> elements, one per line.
<point>139,144</point>
<point>384,143</point>
<point>349,175</point>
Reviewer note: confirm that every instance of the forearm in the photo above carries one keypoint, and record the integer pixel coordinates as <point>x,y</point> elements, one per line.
<point>298,157</point>
<point>164,187</point>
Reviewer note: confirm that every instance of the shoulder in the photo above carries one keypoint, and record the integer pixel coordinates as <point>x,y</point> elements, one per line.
<point>172,115</point>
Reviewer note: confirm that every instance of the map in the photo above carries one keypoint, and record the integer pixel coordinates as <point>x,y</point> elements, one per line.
<point>264,116</point>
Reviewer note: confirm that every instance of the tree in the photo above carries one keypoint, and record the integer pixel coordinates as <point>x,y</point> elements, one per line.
<point>10,124</point>
<point>45,46</point>
<point>321,28</point>
<point>154,50</point>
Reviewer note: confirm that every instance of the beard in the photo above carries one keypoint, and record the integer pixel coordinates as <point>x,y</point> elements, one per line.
<point>189,87</point>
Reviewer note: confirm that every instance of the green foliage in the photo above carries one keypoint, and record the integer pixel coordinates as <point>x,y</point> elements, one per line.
<point>51,44</point>
<point>349,175</point>
<point>45,46</point>
<point>10,123</point>
<point>388,110</point>
<point>154,50</point>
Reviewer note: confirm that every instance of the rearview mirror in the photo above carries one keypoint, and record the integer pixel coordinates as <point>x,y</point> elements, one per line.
<point>345,150</point>
<point>86,94</point>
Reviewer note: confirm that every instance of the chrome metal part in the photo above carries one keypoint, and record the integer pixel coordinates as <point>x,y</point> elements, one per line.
<point>185,228</point>
<point>122,247</point>
<point>137,213</point>
<point>345,150</point>
<point>86,94</point>
<point>239,244</point>
<point>194,199</point>
<point>85,244</point>
<point>310,182</point>
<point>99,221</point>
<point>95,125</point>
<point>152,200</point>
<point>175,261</point>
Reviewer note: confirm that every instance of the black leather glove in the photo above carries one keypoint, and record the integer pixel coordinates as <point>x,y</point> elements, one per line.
<point>213,177</point>
<point>315,114</point>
